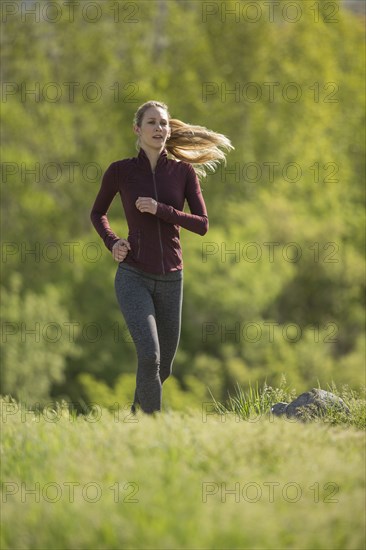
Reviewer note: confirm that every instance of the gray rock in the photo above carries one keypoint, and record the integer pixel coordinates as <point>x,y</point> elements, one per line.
<point>311,403</point>
<point>279,408</point>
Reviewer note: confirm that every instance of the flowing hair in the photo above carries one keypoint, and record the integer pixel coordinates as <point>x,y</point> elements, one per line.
<point>190,143</point>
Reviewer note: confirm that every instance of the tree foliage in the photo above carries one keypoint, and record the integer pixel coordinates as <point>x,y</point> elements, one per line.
<point>277,284</point>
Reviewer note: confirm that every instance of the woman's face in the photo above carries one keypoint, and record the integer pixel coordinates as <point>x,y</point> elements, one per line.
<point>154,129</point>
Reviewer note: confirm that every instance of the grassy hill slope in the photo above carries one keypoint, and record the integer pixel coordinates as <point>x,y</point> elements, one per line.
<point>179,480</point>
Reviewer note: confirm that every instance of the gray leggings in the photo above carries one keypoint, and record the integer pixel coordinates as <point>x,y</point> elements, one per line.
<point>152,308</point>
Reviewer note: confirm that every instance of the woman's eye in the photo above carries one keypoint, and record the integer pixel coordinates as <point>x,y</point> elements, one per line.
<point>162,123</point>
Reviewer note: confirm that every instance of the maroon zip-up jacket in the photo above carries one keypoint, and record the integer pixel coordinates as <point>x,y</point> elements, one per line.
<point>154,238</point>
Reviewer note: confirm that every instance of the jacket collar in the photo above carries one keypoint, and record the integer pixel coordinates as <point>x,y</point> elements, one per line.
<point>144,162</point>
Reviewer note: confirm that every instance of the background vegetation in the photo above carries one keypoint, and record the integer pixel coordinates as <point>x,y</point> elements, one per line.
<point>289,202</point>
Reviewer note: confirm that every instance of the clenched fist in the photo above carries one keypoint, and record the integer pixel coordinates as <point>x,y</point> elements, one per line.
<point>146,204</point>
<point>120,250</point>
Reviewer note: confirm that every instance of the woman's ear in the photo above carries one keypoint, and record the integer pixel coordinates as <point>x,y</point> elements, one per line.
<point>136,129</point>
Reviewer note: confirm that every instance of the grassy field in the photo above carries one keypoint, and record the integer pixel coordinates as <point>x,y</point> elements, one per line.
<point>188,480</point>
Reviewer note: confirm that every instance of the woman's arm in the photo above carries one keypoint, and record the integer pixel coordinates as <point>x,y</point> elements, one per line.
<point>98,215</point>
<point>197,220</point>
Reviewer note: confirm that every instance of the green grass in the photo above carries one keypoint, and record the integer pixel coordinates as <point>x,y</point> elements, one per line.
<point>298,485</point>
<point>256,402</point>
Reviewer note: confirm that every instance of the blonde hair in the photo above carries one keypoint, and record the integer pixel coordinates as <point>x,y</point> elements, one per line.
<point>190,143</point>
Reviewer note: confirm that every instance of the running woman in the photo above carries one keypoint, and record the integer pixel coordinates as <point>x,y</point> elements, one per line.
<point>153,187</point>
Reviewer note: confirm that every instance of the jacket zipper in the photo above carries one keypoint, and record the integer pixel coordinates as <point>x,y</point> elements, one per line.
<point>138,246</point>
<point>159,230</point>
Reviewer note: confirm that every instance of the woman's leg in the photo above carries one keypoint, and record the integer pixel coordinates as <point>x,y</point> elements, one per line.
<point>168,297</point>
<point>134,294</point>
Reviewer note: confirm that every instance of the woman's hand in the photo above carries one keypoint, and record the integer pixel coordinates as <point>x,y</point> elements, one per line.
<point>120,250</point>
<point>146,204</point>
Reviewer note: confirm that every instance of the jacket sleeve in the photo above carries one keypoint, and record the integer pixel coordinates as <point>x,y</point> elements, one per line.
<point>98,215</point>
<point>197,220</point>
